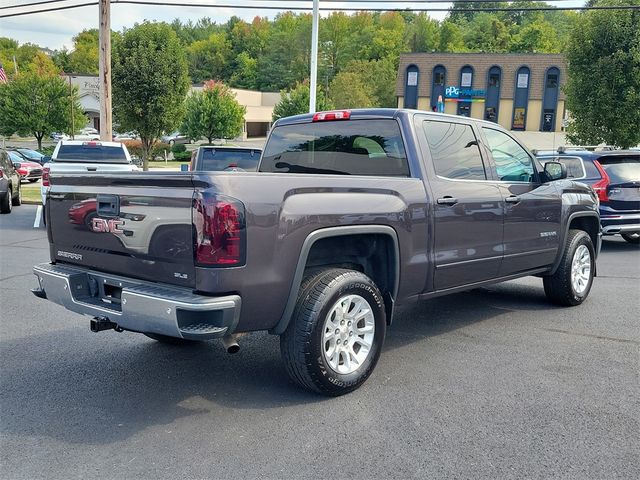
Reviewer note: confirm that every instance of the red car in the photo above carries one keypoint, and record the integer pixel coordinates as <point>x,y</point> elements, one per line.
<point>27,170</point>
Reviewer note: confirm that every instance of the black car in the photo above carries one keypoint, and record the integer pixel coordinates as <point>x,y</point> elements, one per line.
<point>615,177</point>
<point>10,194</point>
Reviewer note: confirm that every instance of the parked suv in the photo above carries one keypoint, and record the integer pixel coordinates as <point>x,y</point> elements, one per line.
<point>10,193</point>
<point>615,177</point>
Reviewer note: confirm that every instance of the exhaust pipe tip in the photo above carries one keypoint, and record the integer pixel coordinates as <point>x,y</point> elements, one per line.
<point>230,343</point>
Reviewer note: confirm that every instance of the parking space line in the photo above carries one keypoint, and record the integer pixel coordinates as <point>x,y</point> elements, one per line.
<point>36,223</point>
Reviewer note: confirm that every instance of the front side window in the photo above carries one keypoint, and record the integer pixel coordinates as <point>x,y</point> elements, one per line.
<point>513,163</point>
<point>454,150</point>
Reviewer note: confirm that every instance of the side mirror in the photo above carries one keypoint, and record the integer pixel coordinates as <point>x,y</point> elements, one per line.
<point>45,159</point>
<point>555,170</point>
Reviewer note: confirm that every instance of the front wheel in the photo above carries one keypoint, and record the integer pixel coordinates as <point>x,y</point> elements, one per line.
<point>336,333</point>
<point>6,201</point>
<point>17,198</point>
<point>631,237</point>
<point>571,283</point>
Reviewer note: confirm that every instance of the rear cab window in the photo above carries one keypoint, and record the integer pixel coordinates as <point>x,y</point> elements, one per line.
<point>346,147</point>
<point>91,152</point>
<point>218,159</point>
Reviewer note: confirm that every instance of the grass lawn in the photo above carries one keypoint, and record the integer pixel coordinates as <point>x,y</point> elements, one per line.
<point>170,164</point>
<point>31,192</point>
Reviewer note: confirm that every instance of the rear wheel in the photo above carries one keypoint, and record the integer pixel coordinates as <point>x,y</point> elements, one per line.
<point>17,198</point>
<point>571,283</point>
<point>632,237</point>
<point>167,340</point>
<point>5,202</point>
<point>335,336</point>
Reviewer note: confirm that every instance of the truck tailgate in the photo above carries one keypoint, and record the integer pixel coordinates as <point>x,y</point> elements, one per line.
<point>138,225</point>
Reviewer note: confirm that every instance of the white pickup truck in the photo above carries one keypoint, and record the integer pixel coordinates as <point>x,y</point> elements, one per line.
<point>76,156</point>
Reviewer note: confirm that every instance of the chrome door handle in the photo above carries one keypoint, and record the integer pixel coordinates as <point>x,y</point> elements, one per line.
<point>512,199</point>
<point>447,201</point>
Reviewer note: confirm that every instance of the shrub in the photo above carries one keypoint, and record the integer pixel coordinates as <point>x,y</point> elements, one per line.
<point>48,151</point>
<point>157,151</point>
<point>178,148</point>
<point>182,156</point>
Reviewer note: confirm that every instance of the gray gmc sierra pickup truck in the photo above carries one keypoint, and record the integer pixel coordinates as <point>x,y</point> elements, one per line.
<point>349,214</point>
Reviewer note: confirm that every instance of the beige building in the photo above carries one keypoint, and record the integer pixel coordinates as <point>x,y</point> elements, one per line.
<point>521,92</point>
<point>257,119</point>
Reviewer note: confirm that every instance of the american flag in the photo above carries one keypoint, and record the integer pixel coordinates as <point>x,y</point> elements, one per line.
<point>3,75</point>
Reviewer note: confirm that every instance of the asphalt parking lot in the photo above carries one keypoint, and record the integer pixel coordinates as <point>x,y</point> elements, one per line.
<point>492,383</point>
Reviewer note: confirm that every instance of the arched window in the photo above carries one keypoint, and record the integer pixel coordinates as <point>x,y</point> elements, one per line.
<point>411,87</point>
<point>438,82</point>
<point>550,99</point>
<point>492,95</point>
<point>520,99</point>
<point>466,85</point>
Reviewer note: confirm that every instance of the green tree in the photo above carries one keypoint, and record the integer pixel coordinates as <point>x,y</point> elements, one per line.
<point>150,82</point>
<point>379,77</point>
<point>487,33</point>
<point>245,74</point>
<point>451,38</point>
<point>603,89</point>
<point>538,36</point>
<point>423,35</point>
<point>37,103</point>
<point>213,113</point>
<point>209,58</point>
<point>296,101</point>
<point>84,56</point>
<point>347,90</point>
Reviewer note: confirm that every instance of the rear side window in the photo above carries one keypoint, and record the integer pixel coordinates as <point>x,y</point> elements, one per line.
<point>454,150</point>
<point>348,147</point>
<point>575,168</point>
<point>621,169</point>
<point>91,152</point>
<point>215,159</point>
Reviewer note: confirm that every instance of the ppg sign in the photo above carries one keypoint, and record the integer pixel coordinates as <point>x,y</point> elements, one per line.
<point>452,92</point>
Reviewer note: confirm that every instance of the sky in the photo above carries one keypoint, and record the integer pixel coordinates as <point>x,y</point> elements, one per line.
<point>55,30</point>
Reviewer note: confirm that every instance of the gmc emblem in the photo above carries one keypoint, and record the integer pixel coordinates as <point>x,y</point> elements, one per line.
<point>100,225</point>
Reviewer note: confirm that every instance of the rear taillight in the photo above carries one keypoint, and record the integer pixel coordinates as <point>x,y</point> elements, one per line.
<point>45,177</point>
<point>601,186</point>
<point>220,231</point>
<point>333,115</point>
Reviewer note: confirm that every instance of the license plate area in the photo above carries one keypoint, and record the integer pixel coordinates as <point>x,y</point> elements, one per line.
<point>96,291</point>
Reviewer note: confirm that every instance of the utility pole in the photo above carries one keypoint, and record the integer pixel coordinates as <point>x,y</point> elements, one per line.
<point>104,12</point>
<point>73,120</point>
<point>314,56</point>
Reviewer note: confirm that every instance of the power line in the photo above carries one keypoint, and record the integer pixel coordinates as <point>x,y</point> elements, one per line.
<point>307,9</point>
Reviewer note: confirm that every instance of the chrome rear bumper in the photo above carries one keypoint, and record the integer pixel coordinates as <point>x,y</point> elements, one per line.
<point>137,305</point>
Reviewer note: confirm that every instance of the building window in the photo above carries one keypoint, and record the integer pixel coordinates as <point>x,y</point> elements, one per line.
<point>492,95</point>
<point>411,87</point>
<point>550,100</point>
<point>464,97</point>
<point>520,99</point>
<point>438,82</point>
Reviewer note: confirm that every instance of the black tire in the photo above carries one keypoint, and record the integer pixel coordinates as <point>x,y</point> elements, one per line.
<point>17,199</point>
<point>167,340</point>
<point>558,287</point>
<point>33,180</point>
<point>631,237</point>
<point>6,201</point>
<point>301,345</point>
